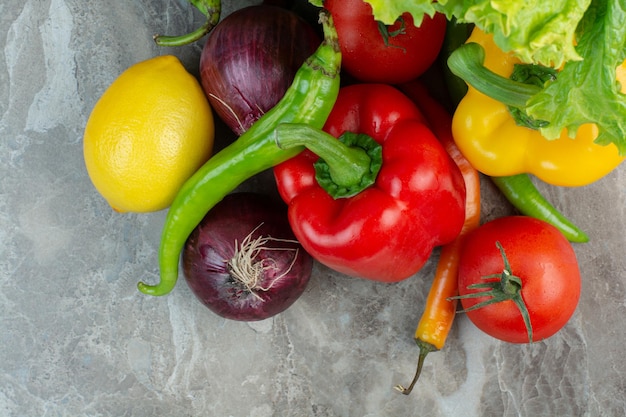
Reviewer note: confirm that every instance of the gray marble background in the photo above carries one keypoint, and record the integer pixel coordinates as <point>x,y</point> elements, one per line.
<point>77,339</point>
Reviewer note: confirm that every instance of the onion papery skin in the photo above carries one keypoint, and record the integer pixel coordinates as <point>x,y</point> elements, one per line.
<point>213,243</point>
<point>250,59</point>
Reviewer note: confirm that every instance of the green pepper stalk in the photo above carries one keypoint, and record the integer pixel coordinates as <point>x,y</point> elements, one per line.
<point>308,100</point>
<point>467,62</point>
<point>212,9</point>
<point>346,166</point>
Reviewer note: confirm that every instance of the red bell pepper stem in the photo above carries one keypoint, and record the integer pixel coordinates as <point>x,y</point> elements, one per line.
<point>346,167</point>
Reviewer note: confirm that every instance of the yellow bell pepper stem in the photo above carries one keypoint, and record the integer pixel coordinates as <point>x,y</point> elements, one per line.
<point>467,62</point>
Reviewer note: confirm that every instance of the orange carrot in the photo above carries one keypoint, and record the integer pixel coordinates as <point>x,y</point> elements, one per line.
<point>439,311</point>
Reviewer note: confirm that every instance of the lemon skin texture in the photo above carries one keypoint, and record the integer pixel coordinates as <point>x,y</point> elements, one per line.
<point>147,134</point>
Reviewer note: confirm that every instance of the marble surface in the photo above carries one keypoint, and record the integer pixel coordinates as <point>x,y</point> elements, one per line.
<point>78,339</point>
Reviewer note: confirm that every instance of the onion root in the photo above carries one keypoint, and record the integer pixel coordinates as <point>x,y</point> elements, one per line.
<point>245,268</point>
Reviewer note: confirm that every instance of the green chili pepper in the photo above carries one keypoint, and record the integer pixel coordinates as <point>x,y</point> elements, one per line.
<point>522,193</point>
<point>212,9</point>
<point>308,100</point>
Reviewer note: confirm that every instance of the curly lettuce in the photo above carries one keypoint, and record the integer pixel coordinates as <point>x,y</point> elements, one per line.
<point>537,31</point>
<point>587,90</point>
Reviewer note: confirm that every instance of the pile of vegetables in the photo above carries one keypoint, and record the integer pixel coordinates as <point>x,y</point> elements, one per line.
<point>373,169</point>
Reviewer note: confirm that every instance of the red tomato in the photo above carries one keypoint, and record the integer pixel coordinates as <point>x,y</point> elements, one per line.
<point>365,55</point>
<point>544,261</point>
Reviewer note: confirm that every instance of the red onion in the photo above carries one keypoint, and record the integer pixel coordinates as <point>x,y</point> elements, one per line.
<point>243,262</point>
<point>250,59</point>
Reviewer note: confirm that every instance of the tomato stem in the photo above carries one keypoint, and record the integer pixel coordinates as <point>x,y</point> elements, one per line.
<point>386,33</point>
<point>508,287</point>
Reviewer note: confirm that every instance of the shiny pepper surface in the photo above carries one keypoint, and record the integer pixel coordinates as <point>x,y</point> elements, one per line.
<point>387,231</point>
<point>496,145</point>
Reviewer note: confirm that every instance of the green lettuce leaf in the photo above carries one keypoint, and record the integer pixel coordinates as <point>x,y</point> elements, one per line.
<point>537,31</point>
<point>587,91</point>
<point>388,11</point>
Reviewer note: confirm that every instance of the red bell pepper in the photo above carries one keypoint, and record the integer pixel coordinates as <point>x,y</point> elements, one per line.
<point>416,202</point>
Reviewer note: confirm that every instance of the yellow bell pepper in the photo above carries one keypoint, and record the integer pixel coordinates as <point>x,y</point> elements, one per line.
<point>489,137</point>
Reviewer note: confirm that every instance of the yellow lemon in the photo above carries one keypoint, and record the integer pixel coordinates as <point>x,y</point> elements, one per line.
<point>148,133</point>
